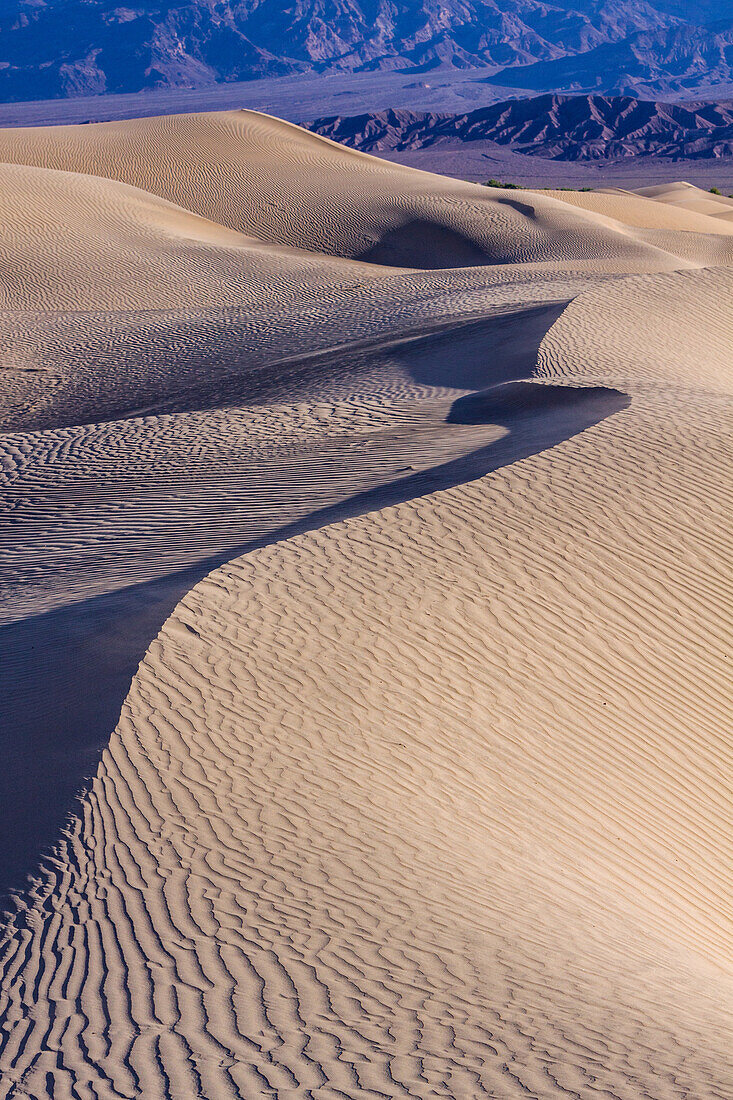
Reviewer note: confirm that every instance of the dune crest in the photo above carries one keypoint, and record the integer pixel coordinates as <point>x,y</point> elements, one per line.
<point>367,576</point>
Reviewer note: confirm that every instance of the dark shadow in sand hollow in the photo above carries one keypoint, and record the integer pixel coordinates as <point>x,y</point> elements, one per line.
<point>53,732</point>
<point>421,243</point>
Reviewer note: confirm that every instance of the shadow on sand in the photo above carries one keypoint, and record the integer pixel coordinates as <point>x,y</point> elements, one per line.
<point>64,675</point>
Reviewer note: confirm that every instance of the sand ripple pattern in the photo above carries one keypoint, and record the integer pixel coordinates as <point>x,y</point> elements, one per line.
<point>270,179</point>
<point>387,814</point>
<point>432,800</point>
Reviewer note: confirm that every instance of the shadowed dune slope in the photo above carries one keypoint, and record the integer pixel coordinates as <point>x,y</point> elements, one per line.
<point>366,644</point>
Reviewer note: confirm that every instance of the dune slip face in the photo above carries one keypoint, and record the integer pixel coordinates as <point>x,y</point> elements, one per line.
<point>365,631</point>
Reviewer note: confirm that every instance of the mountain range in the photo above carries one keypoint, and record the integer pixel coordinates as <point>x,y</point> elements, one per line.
<point>559,127</point>
<point>57,48</point>
<point>663,60</point>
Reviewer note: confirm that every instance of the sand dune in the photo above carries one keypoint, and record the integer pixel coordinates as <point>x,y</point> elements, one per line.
<point>285,185</point>
<point>118,248</point>
<point>366,566</point>
<point>277,273</point>
<point>683,196</point>
<point>648,211</point>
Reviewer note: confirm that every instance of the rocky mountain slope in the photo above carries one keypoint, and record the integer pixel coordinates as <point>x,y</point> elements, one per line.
<point>54,48</point>
<point>560,127</point>
<point>657,61</point>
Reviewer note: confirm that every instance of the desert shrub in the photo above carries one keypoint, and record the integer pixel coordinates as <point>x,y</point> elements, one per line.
<point>504,186</point>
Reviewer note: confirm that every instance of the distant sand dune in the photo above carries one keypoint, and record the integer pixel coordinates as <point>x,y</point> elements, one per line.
<point>683,196</point>
<point>367,569</point>
<point>649,209</point>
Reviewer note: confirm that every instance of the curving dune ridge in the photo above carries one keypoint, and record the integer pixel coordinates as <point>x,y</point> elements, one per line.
<point>367,571</point>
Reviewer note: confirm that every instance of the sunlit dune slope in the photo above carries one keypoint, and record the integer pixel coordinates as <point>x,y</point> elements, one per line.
<point>644,211</point>
<point>366,627</point>
<point>678,331</point>
<point>273,180</point>
<point>431,802</point>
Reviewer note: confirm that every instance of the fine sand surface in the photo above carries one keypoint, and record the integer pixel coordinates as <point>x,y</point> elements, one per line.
<point>657,208</point>
<point>366,626</point>
<point>683,196</point>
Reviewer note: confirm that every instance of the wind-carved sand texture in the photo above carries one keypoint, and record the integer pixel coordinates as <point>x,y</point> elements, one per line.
<point>367,562</point>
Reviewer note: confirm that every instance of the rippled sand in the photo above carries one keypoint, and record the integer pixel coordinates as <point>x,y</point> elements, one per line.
<point>367,567</point>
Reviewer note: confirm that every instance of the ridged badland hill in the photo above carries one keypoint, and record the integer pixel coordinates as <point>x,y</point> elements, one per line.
<point>560,127</point>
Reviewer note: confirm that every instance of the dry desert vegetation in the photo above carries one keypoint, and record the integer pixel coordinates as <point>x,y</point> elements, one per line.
<point>367,640</point>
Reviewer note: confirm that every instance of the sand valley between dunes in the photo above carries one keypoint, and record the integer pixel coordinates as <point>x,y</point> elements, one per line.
<point>366,634</point>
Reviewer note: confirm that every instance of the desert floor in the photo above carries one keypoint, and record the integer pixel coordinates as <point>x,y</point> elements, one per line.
<point>366,633</point>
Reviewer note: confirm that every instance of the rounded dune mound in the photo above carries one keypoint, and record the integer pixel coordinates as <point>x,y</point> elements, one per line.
<point>642,211</point>
<point>284,185</point>
<point>76,242</point>
<point>684,196</point>
<point>678,330</point>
